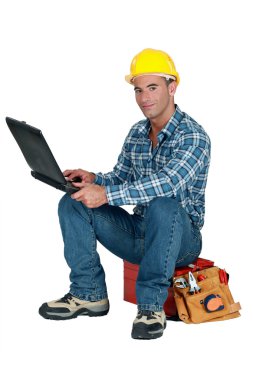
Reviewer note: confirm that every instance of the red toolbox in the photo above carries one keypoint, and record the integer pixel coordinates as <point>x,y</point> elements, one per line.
<point>131,273</point>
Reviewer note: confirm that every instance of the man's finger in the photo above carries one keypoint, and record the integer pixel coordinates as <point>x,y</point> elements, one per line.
<point>67,172</point>
<point>78,184</point>
<point>77,195</point>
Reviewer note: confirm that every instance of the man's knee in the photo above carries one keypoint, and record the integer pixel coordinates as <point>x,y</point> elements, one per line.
<point>162,207</point>
<point>163,202</point>
<point>68,206</point>
<point>64,204</point>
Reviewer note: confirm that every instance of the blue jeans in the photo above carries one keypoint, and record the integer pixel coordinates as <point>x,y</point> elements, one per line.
<point>159,241</point>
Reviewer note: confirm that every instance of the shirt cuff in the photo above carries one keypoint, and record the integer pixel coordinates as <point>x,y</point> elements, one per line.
<point>98,179</point>
<point>116,195</point>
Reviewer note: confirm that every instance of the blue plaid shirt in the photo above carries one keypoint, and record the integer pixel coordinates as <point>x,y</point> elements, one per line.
<point>177,167</point>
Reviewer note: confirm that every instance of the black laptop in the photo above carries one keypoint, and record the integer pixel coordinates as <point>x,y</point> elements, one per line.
<point>38,155</point>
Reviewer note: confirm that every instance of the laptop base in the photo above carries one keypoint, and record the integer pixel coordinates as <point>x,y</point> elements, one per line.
<point>67,187</point>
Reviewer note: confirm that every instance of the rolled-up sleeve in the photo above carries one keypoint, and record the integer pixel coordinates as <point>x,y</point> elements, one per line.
<point>121,171</point>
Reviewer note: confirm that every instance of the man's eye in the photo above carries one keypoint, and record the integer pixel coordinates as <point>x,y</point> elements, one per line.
<point>137,91</point>
<point>152,88</point>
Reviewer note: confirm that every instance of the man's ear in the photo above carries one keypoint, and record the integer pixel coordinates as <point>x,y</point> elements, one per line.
<point>172,87</point>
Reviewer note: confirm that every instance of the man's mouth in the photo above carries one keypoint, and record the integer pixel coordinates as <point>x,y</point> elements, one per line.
<point>147,106</point>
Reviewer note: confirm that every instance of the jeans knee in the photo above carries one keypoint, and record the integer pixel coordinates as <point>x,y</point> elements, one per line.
<point>161,203</point>
<point>161,208</point>
<point>69,208</point>
<point>64,204</point>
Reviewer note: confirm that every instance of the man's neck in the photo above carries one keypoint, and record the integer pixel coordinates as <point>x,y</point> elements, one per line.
<point>159,123</point>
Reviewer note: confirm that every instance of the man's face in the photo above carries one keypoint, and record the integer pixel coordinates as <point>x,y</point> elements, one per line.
<point>152,96</point>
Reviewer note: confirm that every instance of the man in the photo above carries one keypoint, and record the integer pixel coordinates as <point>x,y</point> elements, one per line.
<point>162,169</point>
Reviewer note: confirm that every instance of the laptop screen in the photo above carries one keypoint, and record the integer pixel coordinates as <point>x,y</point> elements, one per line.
<point>35,150</point>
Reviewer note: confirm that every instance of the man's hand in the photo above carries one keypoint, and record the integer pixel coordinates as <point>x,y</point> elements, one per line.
<point>85,176</point>
<point>90,194</point>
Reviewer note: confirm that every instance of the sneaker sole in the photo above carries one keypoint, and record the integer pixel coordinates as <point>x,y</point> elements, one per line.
<point>141,332</point>
<point>58,315</point>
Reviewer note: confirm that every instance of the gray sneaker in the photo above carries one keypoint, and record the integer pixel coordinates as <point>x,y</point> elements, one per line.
<point>149,324</point>
<point>71,307</point>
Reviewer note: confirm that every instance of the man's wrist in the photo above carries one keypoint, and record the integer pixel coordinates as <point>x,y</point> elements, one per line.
<point>92,177</point>
<point>105,194</point>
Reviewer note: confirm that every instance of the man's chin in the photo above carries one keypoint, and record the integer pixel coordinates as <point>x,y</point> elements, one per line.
<point>148,113</point>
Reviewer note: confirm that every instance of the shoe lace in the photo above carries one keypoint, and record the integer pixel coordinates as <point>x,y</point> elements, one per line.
<point>66,298</point>
<point>147,313</point>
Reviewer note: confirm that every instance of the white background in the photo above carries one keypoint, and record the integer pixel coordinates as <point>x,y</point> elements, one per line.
<point>62,68</point>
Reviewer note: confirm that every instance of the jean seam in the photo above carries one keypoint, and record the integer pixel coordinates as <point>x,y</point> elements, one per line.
<point>157,306</point>
<point>94,296</point>
<point>94,283</point>
<point>119,227</point>
<point>170,245</point>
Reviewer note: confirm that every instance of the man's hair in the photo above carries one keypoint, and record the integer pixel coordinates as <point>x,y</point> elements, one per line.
<point>169,80</point>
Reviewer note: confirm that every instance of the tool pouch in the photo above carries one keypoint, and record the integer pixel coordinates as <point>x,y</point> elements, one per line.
<point>213,302</point>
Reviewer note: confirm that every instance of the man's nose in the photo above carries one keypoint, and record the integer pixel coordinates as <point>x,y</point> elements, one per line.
<point>145,97</point>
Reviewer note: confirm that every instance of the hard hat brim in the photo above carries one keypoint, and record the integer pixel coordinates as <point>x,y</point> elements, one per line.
<point>130,78</point>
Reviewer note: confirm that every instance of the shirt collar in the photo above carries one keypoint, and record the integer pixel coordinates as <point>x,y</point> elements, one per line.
<point>173,123</point>
<point>169,128</point>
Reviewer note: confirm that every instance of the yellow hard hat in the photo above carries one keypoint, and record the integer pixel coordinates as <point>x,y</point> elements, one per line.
<point>151,61</point>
